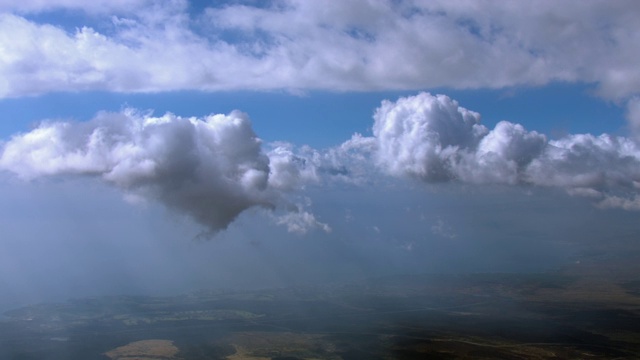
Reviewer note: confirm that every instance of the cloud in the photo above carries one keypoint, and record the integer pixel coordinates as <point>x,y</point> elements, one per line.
<point>433,139</point>
<point>97,6</point>
<point>210,168</point>
<point>440,228</point>
<point>587,161</point>
<point>291,169</point>
<point>300,45</point>
<point>213,168</point>
<point>502,155</point>
<point>633,116</point>
<point>301,222</point>
<point>420,135</point>
<point>294,167</point>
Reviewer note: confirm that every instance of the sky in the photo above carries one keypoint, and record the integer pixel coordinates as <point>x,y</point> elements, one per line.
<point>155,147</point>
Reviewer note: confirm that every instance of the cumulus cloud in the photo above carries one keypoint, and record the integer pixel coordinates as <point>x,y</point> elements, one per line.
<point>291,169</point>
<point>210,168</point>
<point>433,139</point>
<point>587,161</point>
<point>502,155</point>
<point>337,45</point>
<point>422,135</point>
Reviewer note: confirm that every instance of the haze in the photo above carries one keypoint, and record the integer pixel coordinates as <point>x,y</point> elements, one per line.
<point>163,147</point>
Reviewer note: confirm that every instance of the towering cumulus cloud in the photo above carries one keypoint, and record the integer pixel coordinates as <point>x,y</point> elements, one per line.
<point>422,135</point>
<point>211,169</point>
<point>433,139</point>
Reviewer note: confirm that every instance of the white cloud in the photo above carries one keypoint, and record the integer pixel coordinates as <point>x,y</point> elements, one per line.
<point>433,139</point>
<point>295,167</point>
<point>290,169</point>
<point>587,161</point>
<point>213,168</point>
<point>95,6</point>
<point>422,135</point>
<point>501,155</point>
<point>301,222</point>
<point>209,168</point>
<point>298,45</point>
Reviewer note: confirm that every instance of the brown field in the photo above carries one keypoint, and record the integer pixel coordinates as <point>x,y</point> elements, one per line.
<point>145,350</point>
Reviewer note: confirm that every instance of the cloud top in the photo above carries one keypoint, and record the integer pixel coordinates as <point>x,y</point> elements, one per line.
<point>418,135</point>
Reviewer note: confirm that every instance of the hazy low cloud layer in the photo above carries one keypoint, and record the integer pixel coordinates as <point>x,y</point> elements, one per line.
<point>211,169</point>
<point>296,45</point>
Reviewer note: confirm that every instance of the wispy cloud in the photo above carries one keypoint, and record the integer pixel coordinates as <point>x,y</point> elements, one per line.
<point>440,228</point>
<point>301,222</point>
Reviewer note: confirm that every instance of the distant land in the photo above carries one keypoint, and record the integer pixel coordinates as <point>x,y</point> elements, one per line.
<point>588,310</point>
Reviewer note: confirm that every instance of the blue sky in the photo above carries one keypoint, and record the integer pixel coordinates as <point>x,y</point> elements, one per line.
<point>491,137</point>
<point>324,119</point>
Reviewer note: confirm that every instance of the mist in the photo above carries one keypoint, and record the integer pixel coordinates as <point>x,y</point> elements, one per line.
<point>133,203</point>
<point>82,238</point>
